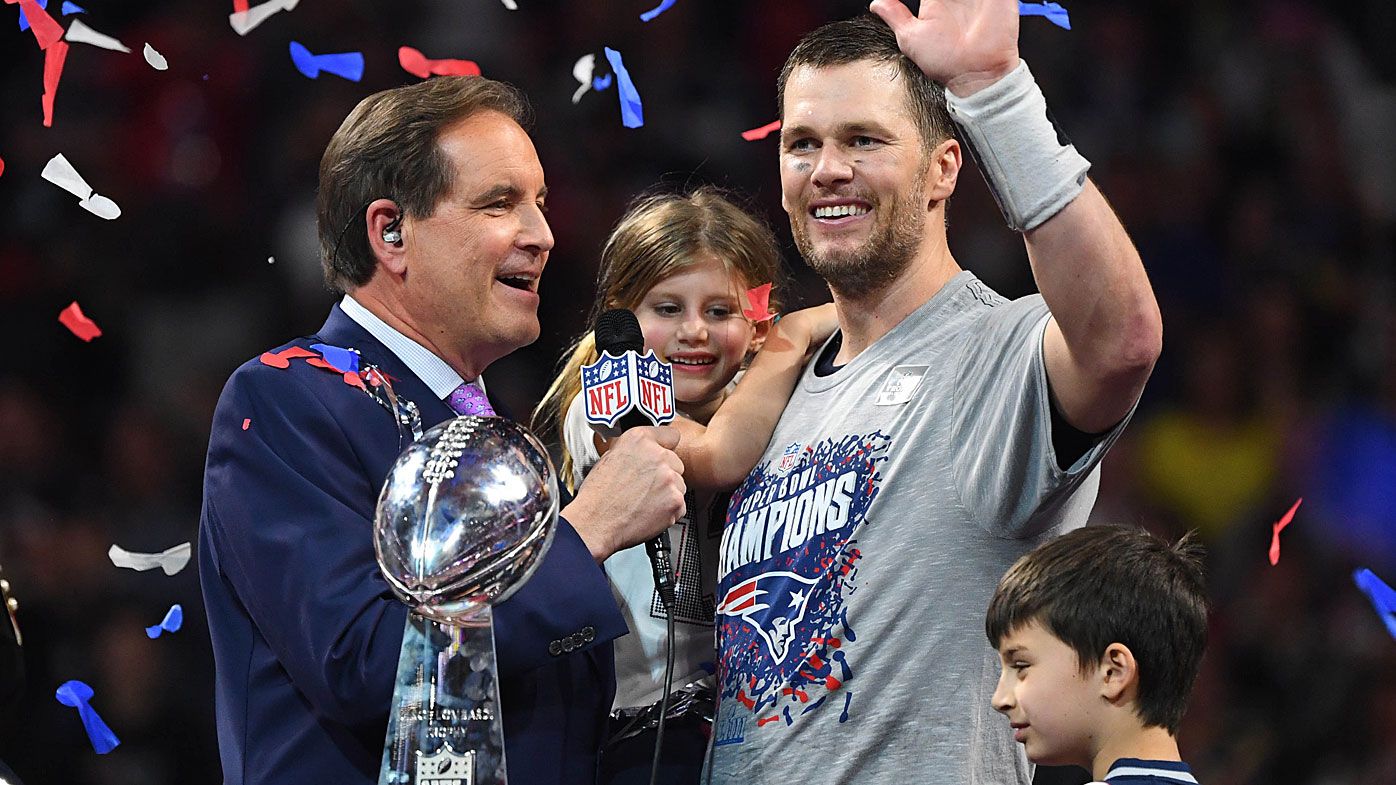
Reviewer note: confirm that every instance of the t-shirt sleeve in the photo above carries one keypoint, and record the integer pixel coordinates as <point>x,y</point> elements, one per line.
<point>1005,464</point>
<point>577,438</point>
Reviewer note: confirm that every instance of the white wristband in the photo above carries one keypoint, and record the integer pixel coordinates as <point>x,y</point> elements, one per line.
<point>1032,169</point>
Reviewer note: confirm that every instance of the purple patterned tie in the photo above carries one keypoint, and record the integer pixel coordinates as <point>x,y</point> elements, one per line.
<point>469,399</point>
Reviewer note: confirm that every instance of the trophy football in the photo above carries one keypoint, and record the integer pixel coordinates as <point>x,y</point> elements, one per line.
<point>465,516</point>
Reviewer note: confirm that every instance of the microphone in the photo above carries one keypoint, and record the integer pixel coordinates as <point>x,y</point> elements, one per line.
<point>628,387</point>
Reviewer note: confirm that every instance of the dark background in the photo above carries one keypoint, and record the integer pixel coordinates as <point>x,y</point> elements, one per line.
<point>1246,145</point>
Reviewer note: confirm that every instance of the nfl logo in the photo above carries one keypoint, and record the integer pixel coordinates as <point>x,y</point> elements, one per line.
<point>789,459</point>
<point>656,388</point>
<point>445,768</point>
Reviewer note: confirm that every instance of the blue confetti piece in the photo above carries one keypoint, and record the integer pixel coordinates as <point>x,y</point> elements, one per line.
<point>78,695</point>
<point>174,619</point>
<point>663,6</point>
<point>341,359</point>
<point>24,21</point>
<point>73,8</point>
<point>600,83</point>
<point>1053,11</point>
<point>1383,597</point>
<point>349,65</point>
<point>632,112</point>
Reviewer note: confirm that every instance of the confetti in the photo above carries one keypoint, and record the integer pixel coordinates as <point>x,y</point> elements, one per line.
<point>156,60</point>
<point>1383,597</point>
<point>349,65</point>
<point>271,260</point>
<point>80,33</point>
<point>762,132</point>
<point>54,57</point>
<point>78,695</point>
<point>511,5</point>
<point>1279,527</point>
<point>2,165</point>
<point>664,5</point>
<point>174,619</point>
<point>72,317</point>
<point>46,31</point>
<point>582,71</point>
<point>417,64</point>
<point>283,358</point>
<point>340,359</point>
<point>243,19</point>
<point>246,423</point>
<point>760,299</point>
<point>62,174</point>
<point>73,8</point>
<point>171,560</point>
<point>632,113</point>
<point>601,83</point>
<point>1052,11</point>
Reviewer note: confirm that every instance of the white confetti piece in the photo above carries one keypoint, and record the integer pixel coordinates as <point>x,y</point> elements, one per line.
<point>244,22</point>
<point>101,206</point>
<point>156,60</point>
<point>171,560</point>
<point>583,71</point>
<point>511,5</point>
<point>79,33</point>
<point>62,174</point>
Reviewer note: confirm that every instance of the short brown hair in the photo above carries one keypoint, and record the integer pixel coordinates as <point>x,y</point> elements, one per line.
<point>387,148</point>
<point>1105,584</point>
<point>867,37</point>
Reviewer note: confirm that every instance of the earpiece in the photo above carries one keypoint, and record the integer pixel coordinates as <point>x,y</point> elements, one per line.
<point>392,234</point>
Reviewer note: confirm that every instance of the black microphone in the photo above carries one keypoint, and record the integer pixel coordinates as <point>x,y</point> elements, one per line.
<point>618,332</point>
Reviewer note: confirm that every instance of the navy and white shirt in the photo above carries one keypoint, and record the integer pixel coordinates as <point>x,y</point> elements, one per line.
<point>1133,771</point>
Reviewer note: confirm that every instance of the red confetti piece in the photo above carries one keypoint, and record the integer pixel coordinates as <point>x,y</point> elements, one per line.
<point>418,64</point>
<point>241,6</point>
<point>1279,527</point>
<point>46,31</point>
<point>54,57</point>
<point>283,358</point>
<point>2,165</point>
<point>760,299</point>
<point>73,318</point>
<point>762,132</point>
<point>352,379</point>
<point>246,423</point>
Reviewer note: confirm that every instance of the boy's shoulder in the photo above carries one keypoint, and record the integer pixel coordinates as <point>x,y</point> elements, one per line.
<point>1136,771</point>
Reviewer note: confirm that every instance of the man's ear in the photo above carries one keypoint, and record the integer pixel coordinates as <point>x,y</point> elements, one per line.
<point>383,216</point>
<point>945,162</point>
<point>1118,673</point>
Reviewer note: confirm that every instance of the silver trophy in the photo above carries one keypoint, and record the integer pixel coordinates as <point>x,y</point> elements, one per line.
<point>465,517</point>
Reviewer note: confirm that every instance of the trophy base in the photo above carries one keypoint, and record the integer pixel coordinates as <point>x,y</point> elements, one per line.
<point>444,727</point>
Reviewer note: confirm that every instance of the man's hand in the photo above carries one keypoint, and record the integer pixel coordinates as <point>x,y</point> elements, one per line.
<point>965,45</point>
<point>633,493</point>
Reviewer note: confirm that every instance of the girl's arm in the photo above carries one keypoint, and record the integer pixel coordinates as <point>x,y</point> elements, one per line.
<point>719,456</point>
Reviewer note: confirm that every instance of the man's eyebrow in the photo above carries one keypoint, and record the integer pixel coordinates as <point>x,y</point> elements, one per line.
<point>842,129</point>
<point>507,191</point>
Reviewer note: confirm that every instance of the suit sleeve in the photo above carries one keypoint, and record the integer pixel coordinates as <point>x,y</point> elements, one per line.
<point>290,503</point>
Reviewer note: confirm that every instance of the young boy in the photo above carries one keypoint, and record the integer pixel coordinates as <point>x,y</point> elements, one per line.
<point>1100,632</point>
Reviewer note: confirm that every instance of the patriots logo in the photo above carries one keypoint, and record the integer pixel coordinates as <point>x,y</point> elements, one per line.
<point>773,603</point>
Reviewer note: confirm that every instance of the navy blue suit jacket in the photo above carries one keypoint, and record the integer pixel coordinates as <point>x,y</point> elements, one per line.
<point>306,631</point>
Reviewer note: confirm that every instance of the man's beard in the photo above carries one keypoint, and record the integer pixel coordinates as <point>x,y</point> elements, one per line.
<point>858,272</point>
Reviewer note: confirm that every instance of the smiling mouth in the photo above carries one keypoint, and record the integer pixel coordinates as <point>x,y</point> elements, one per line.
<point>690,361</point>
<point>840,211</point>
<point>520,282</point>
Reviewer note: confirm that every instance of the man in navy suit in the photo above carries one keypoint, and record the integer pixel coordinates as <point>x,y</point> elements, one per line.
<point>431,223</point>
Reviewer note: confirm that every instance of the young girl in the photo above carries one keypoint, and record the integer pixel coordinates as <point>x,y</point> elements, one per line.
<point>683,264</point>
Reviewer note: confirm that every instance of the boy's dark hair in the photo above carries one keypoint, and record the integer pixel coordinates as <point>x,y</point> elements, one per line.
<point>867,37</point>
<point>1104,584</point>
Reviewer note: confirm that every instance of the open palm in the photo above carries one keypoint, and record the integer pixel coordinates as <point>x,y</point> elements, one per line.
<point>963,44</point>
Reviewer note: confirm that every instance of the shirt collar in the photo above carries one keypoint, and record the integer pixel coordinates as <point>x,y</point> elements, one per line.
<point>439,377</point>
<point>1164,770</point>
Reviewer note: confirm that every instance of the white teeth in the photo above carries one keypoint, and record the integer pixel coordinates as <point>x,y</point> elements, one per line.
<point>685,361</point>
<point>839,211</point>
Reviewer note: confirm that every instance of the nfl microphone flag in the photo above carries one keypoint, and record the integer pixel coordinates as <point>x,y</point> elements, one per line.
<point>613,386</point>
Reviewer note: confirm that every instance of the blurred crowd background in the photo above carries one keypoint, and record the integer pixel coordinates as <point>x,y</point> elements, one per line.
<point>1247,145</point>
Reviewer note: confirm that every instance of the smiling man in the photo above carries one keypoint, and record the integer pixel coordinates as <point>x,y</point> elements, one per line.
<point>431,219</point>
<point>942,432</point>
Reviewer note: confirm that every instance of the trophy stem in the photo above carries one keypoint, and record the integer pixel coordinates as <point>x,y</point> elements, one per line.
<point>444,726</point>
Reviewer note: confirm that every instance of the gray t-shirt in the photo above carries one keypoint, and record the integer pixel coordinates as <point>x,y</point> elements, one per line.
<point>860,555</point>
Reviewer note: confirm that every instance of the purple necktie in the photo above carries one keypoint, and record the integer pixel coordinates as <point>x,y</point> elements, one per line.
<point>469,399</point>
